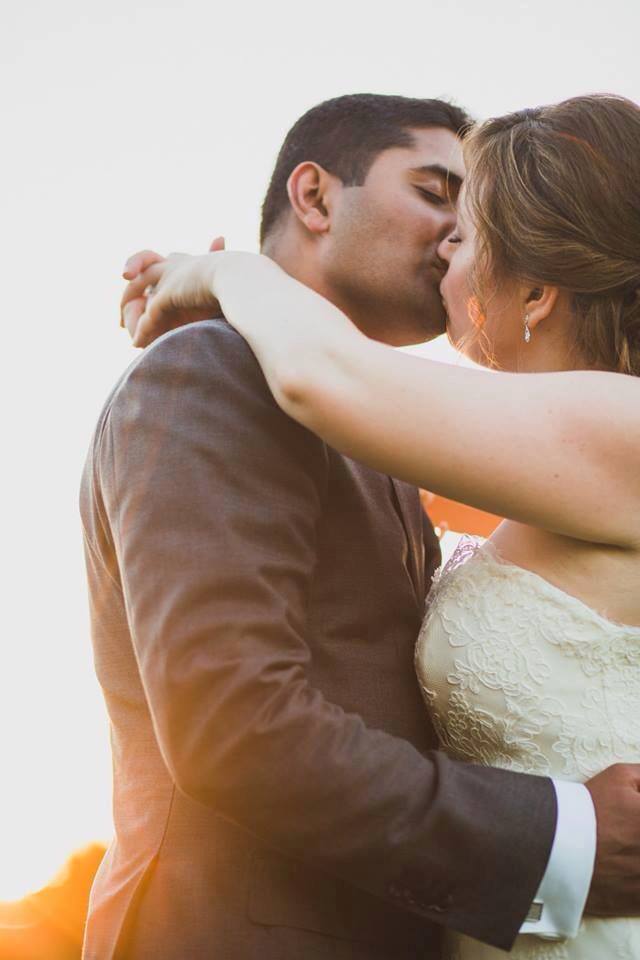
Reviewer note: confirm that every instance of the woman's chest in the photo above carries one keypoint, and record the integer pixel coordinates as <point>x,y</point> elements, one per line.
<point>605,578</point>
<point>518,673</point>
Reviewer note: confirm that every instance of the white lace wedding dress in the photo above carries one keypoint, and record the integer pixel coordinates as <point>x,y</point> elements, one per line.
<point>520,675</point>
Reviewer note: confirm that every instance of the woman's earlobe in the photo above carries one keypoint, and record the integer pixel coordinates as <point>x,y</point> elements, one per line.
<point>540,304</point>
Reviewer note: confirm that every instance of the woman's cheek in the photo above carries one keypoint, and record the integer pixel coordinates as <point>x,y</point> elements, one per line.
<point>458,303</point>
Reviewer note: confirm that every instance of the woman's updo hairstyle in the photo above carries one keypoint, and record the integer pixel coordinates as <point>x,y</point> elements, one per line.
<point>555,196</point>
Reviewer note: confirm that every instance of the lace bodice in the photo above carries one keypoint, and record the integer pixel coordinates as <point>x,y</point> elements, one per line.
<point>519,674</point>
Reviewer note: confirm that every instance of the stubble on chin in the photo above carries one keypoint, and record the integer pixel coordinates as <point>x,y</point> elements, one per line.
<point>434,317</point>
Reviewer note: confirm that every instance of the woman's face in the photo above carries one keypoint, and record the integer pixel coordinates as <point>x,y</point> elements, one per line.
<point>493,338</point>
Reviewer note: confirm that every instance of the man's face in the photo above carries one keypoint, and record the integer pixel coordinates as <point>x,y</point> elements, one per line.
<point>380,257</point>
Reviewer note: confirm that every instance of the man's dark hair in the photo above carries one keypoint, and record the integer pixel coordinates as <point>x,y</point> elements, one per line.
<point>346,134</point>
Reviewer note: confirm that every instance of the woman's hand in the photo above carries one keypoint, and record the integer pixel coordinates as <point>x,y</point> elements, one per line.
<point>164,293</point>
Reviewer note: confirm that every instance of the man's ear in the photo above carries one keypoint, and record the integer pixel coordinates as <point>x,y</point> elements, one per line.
<point>309,188</point>
<point>540,303</point>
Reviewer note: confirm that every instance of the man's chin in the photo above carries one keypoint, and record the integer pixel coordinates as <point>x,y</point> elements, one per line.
<point>433,323</point>
<point>423,328</point>
<point>407,322</point>
<point>426,335</point>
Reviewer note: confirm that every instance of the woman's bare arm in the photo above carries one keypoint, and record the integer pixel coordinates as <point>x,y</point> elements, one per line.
<point>551,450</point>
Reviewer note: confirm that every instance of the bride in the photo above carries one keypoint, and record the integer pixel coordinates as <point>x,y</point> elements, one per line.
<point>529,657</point>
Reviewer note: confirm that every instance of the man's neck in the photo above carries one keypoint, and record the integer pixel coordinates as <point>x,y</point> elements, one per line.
<point>300,263</point>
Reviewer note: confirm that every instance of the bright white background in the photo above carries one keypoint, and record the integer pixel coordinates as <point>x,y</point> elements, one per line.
<point>132,124</point>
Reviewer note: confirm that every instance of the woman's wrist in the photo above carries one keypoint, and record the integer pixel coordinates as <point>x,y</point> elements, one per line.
<point>230,271</point>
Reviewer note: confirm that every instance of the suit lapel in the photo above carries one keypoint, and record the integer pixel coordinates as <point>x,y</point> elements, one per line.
<point>408,506</point>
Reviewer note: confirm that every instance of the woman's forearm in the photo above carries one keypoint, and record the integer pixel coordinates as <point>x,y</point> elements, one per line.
<point>537,448</point>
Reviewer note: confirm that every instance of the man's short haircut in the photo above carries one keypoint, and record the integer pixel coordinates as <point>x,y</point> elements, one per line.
<point>346,134</point>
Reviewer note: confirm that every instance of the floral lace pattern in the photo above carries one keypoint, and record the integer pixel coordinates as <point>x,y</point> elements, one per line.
<point>520,675</point>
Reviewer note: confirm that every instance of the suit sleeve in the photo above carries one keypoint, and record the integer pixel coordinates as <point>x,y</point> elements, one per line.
<point>214,498</point>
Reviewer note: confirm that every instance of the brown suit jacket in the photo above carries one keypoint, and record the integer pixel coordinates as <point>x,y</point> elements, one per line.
<point>255,600</point>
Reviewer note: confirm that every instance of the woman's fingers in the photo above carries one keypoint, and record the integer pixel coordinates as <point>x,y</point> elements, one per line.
<point>142,336</point>
<point>152,323</point>
<point>161,311</point>
<point>164,293</point>
<point>138,262</point>
<point>135,300</point>
<point>183,295</point>
<point>134,291</point>
<point>131,313</point>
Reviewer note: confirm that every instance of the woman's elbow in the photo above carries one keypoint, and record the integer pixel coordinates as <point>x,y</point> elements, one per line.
<point>295,388</point>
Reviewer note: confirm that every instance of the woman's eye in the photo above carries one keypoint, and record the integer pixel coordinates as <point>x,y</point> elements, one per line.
<point>454,238</point>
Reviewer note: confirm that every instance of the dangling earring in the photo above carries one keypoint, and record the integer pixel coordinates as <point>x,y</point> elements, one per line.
<point>527,331</point>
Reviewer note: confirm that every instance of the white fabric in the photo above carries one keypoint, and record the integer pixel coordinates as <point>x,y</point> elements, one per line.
<point>563,891</point>
<point>519,674</point>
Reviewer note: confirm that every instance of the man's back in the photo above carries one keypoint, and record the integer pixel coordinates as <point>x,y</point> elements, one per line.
<point>177,867</point>
<point>255,604</point>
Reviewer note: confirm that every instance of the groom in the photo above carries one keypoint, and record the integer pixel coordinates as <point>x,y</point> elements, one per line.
<point>255,602</point>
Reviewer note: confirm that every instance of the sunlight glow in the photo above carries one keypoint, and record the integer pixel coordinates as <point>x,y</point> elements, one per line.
<point>156,124</point>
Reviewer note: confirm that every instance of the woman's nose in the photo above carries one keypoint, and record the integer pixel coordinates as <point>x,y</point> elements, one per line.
<point>445,249</point>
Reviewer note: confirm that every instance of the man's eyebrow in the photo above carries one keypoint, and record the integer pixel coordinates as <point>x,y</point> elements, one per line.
<point>453,181</point>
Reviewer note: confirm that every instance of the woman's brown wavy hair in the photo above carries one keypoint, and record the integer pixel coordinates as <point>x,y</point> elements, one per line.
<point>555,196</point>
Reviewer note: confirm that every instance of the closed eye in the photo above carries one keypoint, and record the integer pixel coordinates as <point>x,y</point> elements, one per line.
<point>432,197</point>
<point>454,238</point>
